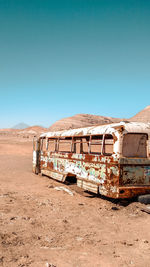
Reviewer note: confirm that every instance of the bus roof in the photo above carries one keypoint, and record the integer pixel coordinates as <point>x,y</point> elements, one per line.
<point>125,127</point>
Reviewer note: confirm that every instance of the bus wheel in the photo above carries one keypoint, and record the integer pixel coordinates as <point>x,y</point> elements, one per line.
<point>144,199</point>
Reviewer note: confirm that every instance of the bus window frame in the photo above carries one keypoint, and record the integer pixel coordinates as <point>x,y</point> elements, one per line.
<point>104,153</point>
<point>52,139</point>
<point>64,138</point>
<point>97,143</point>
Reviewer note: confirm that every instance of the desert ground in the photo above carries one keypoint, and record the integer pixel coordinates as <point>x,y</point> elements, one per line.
<point>41,226</point>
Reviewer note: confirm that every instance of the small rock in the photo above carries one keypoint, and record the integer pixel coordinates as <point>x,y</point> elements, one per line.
<point>13,218</point>
<point>123,243</point>
<point>65,221</point>
<point>61,188</point>
<point>129,244</point>
<point>14,233</point>
<point>116,256</point>
<point>26,218</point>
<point>114,208</point>
<point>50,265</point>
<point>50,186</point>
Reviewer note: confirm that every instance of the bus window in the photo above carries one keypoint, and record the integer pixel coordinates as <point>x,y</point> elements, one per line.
<point>135,145</point>
<point>52,145</point>
<point>108,144</point>
<point>85,144</point>
<point>65,144</point>
<point>96,144</point>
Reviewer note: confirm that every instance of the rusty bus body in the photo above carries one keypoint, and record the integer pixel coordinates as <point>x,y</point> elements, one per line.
<point>112,160</point>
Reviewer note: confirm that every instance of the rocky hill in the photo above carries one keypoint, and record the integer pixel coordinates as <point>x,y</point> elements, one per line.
<point>142,116</point>
<point>81,120</point>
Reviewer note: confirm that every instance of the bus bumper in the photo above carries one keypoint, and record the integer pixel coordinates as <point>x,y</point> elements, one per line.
<point>124,191</point>
<point>133,191</point>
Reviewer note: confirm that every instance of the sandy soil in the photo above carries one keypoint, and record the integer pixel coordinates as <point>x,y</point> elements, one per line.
<point>40,226</point>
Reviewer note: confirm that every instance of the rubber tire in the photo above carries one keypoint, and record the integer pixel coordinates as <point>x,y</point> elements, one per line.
<point>144,199</point>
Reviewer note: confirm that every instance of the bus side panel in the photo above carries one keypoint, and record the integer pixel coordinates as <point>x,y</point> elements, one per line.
<point>99,174</point>
<point>74,164</point>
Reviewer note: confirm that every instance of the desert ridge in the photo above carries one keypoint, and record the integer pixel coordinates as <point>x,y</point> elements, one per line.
<point>76,121</point>
<point>142,116</point>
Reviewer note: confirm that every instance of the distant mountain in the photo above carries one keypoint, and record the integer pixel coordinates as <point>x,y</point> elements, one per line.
<point>142,116</point>
<point>81,120</point>
<point>20,126</point>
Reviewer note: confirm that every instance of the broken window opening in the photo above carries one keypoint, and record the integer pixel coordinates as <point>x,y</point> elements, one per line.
<point>135,145</point>
<point>52,145</point>
<point>96,144</point>
<point>65,145</point>
<point>108,145</point>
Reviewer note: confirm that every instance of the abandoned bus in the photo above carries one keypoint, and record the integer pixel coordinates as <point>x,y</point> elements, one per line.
<point>112,160</point>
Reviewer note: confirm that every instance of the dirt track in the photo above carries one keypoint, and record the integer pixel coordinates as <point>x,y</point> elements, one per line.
<point>40,225</point>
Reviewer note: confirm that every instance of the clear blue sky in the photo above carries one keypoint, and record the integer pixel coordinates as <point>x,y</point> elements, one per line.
<point>63,57</point>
